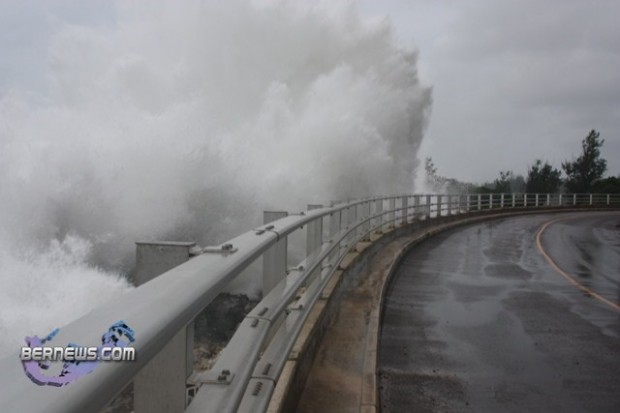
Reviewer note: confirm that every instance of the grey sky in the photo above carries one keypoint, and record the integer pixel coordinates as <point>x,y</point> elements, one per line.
<point>513,79</point>
<point>26,27</point>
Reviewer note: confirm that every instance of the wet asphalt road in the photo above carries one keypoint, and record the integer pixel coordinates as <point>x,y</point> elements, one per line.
<point>477,320</point>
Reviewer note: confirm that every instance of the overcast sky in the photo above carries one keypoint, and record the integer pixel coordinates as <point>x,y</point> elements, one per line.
<point>513,80</point>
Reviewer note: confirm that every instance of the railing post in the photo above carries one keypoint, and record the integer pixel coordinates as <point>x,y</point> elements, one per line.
<point>525,200</point>
<point>536,200</point>
<point>428,206</point>
<point>378,226</point>
<point>501,202</point>
<point>449,205</point>
<point>274,259</point>
<point>160,386</point>
<point>608,200</point>
<point>404,210</point>
<point>574,199</point>
<point>514,200</point>
<point>590,199</point>
<point>548,199</point>
<point>490,201</point>
<point>367,227</point>
<point>479,202</point>
<point>392,215</point>
<point>351,220</point>
<point>560,200</point>
<point>438,207</point>
<point>334,229</point>
<point>314,232</point>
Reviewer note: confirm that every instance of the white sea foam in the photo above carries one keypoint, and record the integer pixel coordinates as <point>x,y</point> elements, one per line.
<point>184,120</point>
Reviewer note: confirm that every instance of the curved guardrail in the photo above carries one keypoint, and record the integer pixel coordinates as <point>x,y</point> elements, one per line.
<point>246,372</point>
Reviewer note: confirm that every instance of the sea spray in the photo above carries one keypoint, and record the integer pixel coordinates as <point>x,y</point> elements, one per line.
<point>183,121</point>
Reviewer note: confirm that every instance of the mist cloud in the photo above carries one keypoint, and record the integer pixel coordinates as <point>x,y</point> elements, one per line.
<point>184,120</point>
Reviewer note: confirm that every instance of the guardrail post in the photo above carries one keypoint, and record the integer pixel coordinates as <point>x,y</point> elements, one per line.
<point>438,207</point>
<point>574,199</point>
<point>359,217</point>
<point>351,219</point>
<point>274,259</point>
<point>160,387</point>
<point>536,199</point>
<point>416,207</point>
<point>392,215</point>
<point>501,202</point>
<point>449,205</point>
<point>479,202</point>
<point>590,199</point>
<point>378,226</point>
<point>514,200</point>
<point>314,232</point>
<point>334,229</point>
<point>367,226</point>
<point>608,200</point>
<point>560,200</point>
<point>428,206</point>
<point>490,201</point>
<point>404,210</point>
<point>525,200</point>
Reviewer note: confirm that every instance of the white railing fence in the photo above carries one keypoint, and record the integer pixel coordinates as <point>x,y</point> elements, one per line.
<point>162,310</point>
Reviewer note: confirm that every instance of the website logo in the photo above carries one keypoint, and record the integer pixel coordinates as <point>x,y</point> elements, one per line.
<point>77,361</point>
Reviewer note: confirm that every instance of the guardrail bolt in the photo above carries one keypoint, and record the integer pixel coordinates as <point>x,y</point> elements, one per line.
<point>257,388</point>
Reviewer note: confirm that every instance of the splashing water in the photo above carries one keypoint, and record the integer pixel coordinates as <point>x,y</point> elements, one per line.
<point>184,120</point>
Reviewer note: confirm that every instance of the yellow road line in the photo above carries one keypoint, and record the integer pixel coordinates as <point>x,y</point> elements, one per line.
<point>566,275</point>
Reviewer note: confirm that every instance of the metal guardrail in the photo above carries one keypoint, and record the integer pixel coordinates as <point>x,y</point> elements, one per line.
<point>245,374</point>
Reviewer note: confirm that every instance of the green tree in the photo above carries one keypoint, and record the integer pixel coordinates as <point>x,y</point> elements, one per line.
<point>502,184</point>
<point>438,183</point>
<point>588,167</point>
<point>517,184</point>
<point>543,178</point>
<point>434,182</point>
<point>609,185</point>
